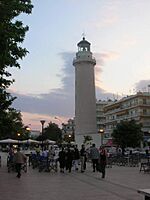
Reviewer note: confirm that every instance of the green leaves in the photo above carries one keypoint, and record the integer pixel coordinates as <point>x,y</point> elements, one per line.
<point>12,34</point>
<point>127,134</point>
<point>52,132</point>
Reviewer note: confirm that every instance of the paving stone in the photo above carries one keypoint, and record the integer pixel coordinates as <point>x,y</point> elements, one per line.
<point>121,183</point>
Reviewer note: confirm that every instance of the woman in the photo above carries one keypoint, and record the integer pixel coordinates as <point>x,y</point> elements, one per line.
<point>103,157</point>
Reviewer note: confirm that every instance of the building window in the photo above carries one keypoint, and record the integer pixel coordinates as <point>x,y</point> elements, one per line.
<point>144,101</point>
<point>144,111</point>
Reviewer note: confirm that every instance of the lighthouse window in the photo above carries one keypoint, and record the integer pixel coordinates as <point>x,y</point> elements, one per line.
<point>85,49</point>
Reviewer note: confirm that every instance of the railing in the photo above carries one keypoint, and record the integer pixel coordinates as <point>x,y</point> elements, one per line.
<point>126,160</point>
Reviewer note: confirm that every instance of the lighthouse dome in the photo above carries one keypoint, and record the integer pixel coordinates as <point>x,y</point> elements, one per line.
<point>84,45</point>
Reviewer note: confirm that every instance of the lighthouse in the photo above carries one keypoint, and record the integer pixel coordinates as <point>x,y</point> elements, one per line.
<point>85,100</point>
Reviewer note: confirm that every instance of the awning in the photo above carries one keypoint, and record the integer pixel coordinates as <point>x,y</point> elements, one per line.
<point>9,141</point>
<point>29,141</point>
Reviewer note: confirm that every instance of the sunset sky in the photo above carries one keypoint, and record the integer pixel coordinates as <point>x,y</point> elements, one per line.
<point>119,33</point>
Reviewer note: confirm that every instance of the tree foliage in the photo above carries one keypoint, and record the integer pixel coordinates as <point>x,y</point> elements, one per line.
<point>12,34</point>
<point>87,139</point>
<point>10,124</point>
<point>52,132</point>
<point>127,134</point>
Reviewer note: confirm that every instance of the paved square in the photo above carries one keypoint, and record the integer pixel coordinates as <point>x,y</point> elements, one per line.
<point>121,183</point>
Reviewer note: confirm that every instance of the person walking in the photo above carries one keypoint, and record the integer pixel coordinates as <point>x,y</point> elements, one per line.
<point>94,155</point>
<point>76,157</point>
<point>19,159</point>
<point>69,159</point>
<point>83,158</point>
<point>103,157</point>
<point>62,160</point>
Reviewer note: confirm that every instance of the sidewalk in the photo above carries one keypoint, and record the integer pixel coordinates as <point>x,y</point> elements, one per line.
<point>121,183</point>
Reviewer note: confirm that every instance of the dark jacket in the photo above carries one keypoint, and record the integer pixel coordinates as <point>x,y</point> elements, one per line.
<point>20,158</point>
<point>76,154</point>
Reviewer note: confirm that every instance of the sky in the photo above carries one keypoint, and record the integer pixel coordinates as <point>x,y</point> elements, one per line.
<point>119,33</point>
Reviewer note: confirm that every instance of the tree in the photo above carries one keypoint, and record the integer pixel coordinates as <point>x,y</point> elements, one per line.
<point>12,34</point>
<point>127,134</point>
<point>87,139</point>
<point>52,132</point>
<point>11,124</point>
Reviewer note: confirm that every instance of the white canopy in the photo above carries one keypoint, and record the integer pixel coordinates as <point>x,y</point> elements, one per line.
<point>8,141</point>
<point>50,141</point>
<point>29,141</point>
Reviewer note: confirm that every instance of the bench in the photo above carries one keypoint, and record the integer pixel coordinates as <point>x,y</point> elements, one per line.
<point>145,192</point>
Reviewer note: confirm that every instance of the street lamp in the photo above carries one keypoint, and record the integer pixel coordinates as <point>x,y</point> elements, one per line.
<point>28,128</point>
<point>28,134</point>
<point>101,130</point>
<point>18,134</point>
<point>42,122</point>
<point>69,138</point>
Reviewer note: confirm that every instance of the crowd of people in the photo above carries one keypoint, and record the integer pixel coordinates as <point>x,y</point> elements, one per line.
<point>72,158</point>
<point>69,158</point>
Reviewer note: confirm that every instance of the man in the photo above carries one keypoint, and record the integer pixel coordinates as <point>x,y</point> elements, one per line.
<point>94,154</point>
<point>20,159</point>
<point>69,159</point>
<point>83,158</point>
<point>62,159</point>
<point>76,156</point>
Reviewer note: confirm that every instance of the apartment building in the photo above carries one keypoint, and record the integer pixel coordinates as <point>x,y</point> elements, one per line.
<point>68,129</point>
<point>100,116</point>
<point>135,107</point>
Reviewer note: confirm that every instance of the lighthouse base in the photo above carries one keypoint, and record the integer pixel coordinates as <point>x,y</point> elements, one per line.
<point>80,139</point>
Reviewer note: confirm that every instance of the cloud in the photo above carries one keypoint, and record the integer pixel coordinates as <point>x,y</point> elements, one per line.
<point>33,120</point>
<point>128,41</point>
<point>59,101</point>
<point>106,21</point>
<point>108,16</point>
<point>143,86</point>
<point>101,59</point>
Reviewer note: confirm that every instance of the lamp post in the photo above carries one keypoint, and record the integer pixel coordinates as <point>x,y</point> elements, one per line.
<point>101,130</point>
<point>28,131</point>
<point>42,122</point>
<point>70,136</point>
<point>18,134</point>
<point>28,134</point>
<point>28,128</point>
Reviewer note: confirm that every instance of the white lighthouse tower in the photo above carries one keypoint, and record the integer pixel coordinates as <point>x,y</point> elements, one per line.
<point>85,100</point>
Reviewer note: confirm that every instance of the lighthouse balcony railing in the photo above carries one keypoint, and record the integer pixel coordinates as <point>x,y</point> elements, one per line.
<point>84,58</point>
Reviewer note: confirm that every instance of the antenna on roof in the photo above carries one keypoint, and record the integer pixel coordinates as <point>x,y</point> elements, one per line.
<point>134,91</point>
<point>83,35</point>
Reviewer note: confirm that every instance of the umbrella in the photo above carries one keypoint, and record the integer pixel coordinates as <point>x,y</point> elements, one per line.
<point>8,141</point>
<point>50,141</point>
<point>29,141</point>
